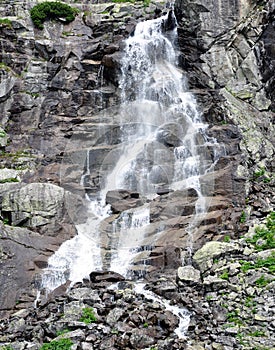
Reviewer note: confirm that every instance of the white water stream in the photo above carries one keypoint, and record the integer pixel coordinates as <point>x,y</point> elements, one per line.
<point>160,150</point>
<point>182,314</point>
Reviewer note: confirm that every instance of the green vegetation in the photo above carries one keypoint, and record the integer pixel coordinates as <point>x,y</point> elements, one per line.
<point>10,179</point>
<point>264,237</point>
<point>52,11</point>
<point>249,302</point>
<point>259,172</point>
<point>240,337</point>
<point>257,333</point>
<point>2,133</point>
<point>233,317</point>
<point>66,33</point>
<point>268,262</point>
<point>16,155</point>
<point>146,3</point>
<point>243,217</point>
<point>6,347</point>
<point>61,344</point>
<point>4,66</point>
<point>262,281</point>
<point>7,23</point>
<point>88,315</point>
<point>6,222</point>
<point>63,331</point>
<point>33,94</point>
<point>224,275</point>
<point>226,239</point>
<point>261,175</point>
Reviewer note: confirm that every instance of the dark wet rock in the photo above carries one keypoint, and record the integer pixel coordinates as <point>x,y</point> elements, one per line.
<point>121,200</point>
<point>170,134</point>
<point>171,22</point>
<point>98,276</point>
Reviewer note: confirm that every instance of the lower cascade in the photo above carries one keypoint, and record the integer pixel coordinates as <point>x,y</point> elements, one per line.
<point>182,314</point>
<point>155,176</point>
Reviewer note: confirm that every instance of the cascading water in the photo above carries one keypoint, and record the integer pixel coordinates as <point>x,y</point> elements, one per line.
<point>182,314</point>
<point>161,134</point>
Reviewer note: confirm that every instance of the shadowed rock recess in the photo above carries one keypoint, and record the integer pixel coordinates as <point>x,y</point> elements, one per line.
<point>61,134</point>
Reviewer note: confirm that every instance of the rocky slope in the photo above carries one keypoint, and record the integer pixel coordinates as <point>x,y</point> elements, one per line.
<point>59,83</point>
<point>226,300</point>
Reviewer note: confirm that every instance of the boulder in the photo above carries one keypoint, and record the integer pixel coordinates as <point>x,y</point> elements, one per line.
<point>203,258</point>
<point>114,315</point>
<point>98,276</point>
<point>34,205</point>
<point>189,275</point>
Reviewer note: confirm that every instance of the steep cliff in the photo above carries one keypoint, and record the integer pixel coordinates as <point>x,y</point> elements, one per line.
<point>56,86</point>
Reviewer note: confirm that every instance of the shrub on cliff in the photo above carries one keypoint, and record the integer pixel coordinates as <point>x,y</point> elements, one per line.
<point>52,10</point>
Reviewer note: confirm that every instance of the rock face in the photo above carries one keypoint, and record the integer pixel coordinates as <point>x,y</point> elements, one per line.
<point>51,81</point>
<point>59,90</point>
<point>121,200</point>
<point>229,305</point>
<point>34,205</point>
<point>225,48</point>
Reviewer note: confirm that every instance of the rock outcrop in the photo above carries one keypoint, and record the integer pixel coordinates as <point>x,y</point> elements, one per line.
<point>59,87</point>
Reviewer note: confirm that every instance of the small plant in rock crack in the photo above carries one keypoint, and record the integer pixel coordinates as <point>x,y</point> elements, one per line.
<point>6,347</point>
<point>88,315</point>
<point>257,333</point>
<point>224,275</point>
<point>264,237</point>
<point>63,331</point>
<point>243,217</point>
<point>61,344</point>
<point>240,337</point>
<point>250,302</point>
<point>226,239</point>
<point>262,281</point>
<point>5,22</point>
<point>261,175</point>
<point>234,317</point>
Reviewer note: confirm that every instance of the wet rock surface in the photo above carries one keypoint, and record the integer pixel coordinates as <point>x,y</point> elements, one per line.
<point>54,86</point>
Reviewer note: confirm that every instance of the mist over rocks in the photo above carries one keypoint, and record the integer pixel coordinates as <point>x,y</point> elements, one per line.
<point>57,86</point>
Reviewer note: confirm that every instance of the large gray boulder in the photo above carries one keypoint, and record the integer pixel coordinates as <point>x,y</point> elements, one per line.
<point>35,204</point>
<point>203,257</point>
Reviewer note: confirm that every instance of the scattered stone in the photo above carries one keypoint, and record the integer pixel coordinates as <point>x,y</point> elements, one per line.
<point>189,275</point>
<point>109,276</point>
<point>203,257</point>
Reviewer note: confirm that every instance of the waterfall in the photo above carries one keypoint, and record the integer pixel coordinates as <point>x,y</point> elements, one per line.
<point>162,149</point>
<point>181,313</point>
